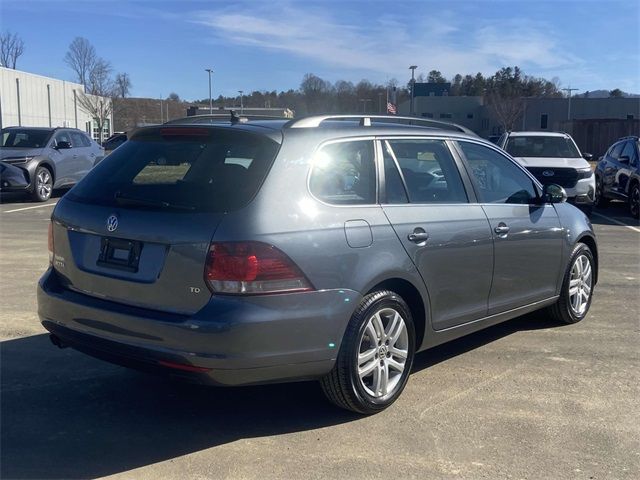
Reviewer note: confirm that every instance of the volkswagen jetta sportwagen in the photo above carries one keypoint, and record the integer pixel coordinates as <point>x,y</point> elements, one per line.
<point>328,248</point>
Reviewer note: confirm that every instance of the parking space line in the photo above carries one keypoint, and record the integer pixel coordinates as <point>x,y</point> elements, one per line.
<point>617,221</point>
<point>29,208</point>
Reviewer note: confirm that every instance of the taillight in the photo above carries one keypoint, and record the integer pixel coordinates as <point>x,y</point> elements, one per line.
<point>50,242</point>
<point>252,268</point>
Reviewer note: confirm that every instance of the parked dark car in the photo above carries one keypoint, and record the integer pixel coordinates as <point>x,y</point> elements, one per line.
<point>331,248</point>
<point>618,175</point>
<point>114,141</point>
<point>37,160</point>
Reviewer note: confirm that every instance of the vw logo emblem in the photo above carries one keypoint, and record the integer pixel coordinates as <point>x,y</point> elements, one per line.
<point>112,223</point>
<point>548,173</point>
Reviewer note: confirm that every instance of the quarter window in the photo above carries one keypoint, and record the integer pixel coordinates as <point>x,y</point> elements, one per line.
<point>497,178</point>
<point>77,139</point>
<point>343,173</point>
<point>429,172</point>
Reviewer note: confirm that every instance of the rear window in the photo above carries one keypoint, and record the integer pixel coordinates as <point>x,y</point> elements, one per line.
<point>24,138</point>
<point>539,146</point>
<point>202,174</point>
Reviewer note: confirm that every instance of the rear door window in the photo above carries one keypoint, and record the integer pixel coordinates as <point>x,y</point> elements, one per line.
<point>218,171</point>
<point>428,170</point>
<point>343,173</point>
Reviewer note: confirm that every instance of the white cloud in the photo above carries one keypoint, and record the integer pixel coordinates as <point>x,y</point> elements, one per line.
<point>388,44</point>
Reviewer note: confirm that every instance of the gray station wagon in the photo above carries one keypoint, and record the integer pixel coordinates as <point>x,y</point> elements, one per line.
<point>330,247</point>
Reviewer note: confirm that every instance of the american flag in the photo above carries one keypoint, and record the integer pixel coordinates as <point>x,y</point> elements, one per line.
<point>391,108</point>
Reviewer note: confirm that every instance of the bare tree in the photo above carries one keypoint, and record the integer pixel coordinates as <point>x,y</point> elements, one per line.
<point>507,109</point>
<point>174,97</point>
<point>123,85</point>
<point>11,47</point>
<point>100,109</point>
<point>97,102</point>
<point>82,58</point>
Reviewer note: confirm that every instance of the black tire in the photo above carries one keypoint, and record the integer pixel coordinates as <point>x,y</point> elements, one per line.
<point>600,200</point>
<point>562,311</point>
<point>343,385</point>
<point>634,200</point>
<point>42,184</point>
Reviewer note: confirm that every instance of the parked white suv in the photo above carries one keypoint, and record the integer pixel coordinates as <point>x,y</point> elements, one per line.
<point>553,157</point>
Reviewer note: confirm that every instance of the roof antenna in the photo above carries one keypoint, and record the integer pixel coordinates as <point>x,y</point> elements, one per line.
<point>235,118</point>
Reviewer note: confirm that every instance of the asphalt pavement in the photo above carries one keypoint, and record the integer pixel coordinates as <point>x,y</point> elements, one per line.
<point>527,399</point>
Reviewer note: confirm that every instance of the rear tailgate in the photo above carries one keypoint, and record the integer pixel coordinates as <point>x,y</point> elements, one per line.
<point>170,248</point>
<point>137,229</point>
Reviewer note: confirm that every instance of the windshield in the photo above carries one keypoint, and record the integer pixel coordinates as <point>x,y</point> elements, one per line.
<point>539,146</point>
<point>183,174</point>
<point>24,138</point>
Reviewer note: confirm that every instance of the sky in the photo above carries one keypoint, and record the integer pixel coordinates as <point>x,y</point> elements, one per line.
<point>166,45</point>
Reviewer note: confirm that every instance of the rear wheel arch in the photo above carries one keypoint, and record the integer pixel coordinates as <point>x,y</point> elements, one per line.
<point>411,295</point>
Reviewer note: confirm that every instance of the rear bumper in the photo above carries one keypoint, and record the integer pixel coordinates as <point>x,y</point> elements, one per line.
<point>233,340</point>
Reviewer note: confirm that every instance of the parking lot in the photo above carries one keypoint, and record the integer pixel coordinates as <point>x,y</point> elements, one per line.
<point>525,399</point>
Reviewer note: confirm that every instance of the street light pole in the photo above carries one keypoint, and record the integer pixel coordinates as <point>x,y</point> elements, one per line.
<point>364,104</point>
<point>413,87</point>
<point>241,102</point>
<point>210,98</point>
<point>569,90</point>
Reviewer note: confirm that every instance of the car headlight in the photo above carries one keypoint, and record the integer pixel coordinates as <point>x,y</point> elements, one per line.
<point>585,173</point>
<point>16,160</point>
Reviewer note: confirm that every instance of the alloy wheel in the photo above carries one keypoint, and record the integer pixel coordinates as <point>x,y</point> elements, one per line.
<point>43,183</point>
<point>634,201</point>
<point>383,351</point>
<point>580,285</point>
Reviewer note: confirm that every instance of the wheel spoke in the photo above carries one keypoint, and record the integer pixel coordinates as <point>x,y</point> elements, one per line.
<point>371,367</point>
<point>395,365</point>
<point>574,290</point>
<point>365,357</point>
<point>384,379</point>
<point>392,326</point>
<point>379,327</point>
<point>398,352</point>
<point>398,328</point>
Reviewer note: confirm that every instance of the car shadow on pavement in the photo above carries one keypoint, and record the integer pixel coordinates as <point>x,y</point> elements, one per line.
<point>66,415</point>
<point>18,197</point>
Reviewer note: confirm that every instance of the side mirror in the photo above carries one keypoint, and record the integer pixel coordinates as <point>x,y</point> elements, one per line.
<point>624,159</point>
<point>62,145</point>
<point>552,193</point>
<point>587,156</point>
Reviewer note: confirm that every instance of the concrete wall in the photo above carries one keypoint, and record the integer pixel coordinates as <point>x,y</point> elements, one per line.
<point>484,123</point>
<point>32,100</point>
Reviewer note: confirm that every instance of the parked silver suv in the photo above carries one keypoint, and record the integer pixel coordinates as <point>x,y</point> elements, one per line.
<point>553,157</point>
<point>37,160</point>
<point>329,248</point>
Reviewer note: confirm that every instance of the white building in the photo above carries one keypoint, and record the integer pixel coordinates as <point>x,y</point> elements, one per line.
<point>35,101</point>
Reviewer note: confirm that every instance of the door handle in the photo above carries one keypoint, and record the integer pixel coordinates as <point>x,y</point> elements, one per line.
<point>501,229</point>
<point>418,236</point>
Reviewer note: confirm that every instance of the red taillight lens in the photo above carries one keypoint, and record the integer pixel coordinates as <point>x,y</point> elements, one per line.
<point>252,268</point>
<point>50,242</point>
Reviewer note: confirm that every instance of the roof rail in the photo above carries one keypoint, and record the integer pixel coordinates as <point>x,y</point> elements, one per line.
<point>366,121</point>
<point>227,116</point>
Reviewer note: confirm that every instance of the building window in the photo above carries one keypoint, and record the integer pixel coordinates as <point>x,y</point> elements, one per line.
<point>629,117</point>
<point>427,115</point>
<point>469,115</point>
<point>544,121</point>
<point>446,115</point>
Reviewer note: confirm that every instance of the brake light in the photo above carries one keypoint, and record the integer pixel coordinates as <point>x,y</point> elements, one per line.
<point>252,268</point>
<point>50,242</point>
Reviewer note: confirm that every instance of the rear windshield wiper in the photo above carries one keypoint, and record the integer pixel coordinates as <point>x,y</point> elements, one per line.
<point>124,199</point>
